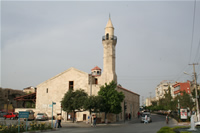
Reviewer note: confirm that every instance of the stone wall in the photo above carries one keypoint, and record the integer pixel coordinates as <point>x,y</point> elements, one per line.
<point>54,89</point>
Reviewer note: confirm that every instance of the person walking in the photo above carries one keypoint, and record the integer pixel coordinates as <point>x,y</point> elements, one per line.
<point>94,120</point>
<point>167,118</point>
<point>145,119</point>
<point>59,118</point>
<point>138,114</point>
<point>56,121</point>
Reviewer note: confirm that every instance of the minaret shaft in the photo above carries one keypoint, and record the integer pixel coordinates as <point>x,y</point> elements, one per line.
<point>109,42</point>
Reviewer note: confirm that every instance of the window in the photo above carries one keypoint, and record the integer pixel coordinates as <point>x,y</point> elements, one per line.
<point>98,73</point>
<point>84,116</point>
<point>96,81</point>
<point>107,36</point>
<point>47,90</point>
<point>71,85</point>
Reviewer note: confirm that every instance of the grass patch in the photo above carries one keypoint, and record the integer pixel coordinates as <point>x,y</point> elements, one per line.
<point>173,129</point>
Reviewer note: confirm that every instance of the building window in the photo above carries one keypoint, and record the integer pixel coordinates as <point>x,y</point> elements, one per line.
<point>84,116</point>
<point>96,81</point>
<point>107,36</point>
<point>71,85</point>
<point>47,90</point>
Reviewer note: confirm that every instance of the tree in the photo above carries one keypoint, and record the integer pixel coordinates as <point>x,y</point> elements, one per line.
<point>111,98</point>
<point>73,101</point>
<point>168,99</point>
<point>93,103</point>
<point>185,100</point>
<point>194,93</point>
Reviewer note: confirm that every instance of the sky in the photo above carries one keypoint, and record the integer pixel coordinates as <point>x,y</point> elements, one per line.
<point>156,41</point>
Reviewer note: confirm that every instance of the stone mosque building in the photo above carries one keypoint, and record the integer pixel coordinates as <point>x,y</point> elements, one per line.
<point>55,88</point>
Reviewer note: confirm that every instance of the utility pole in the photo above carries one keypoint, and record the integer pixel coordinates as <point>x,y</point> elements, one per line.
<point>142,100</point>
<point>195,84</point>
<point>91,95</point>
<point>91,84</point>
<point>150,99</point>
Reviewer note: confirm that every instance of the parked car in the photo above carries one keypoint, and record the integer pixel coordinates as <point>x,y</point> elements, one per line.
<point>148,116</point>
<point>31,115</point>
<point>2,113</point>
<point>197,123</point>
<point>42,116</point>
<point>11,115</point>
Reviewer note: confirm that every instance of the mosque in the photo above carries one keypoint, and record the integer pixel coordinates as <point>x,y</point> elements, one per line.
<point>54,88</point>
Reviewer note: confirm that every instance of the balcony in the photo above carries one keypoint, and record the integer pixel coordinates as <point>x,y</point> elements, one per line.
<point>114,38</point>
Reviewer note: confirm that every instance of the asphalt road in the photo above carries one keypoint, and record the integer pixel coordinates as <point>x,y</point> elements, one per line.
<point>133,126</point>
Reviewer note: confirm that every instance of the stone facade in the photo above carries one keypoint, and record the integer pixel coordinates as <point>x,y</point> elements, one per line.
<point>109,42</point>
<point>132,101</point>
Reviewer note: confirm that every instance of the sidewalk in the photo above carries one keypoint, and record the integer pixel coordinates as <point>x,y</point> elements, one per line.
<point>180,123</point>
<point>84,124</point>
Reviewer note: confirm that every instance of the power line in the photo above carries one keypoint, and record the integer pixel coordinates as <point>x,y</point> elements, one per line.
<point>192,30</point>
<point>198,49</point>
<point>181,72</point>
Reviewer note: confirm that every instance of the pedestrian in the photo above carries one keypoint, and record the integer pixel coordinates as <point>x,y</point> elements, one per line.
<point>56,121</point>
<point>138,114</point>
<point>167,118</point>
<point>94,120</point>
<point>59,118</point>
<point>145,119</point>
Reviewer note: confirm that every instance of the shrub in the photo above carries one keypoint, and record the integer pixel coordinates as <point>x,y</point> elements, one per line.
<point>173,130</point>
<point>33,126</point>
<point>166,130</point>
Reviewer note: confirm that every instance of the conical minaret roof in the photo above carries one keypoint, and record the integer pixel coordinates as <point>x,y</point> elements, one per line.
<point>109,28</point>
<point>109,24</point>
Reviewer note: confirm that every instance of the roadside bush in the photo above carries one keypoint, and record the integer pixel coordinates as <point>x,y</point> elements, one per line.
<point>173,130</point>
<point>34,126</point>
<point>166,130</point>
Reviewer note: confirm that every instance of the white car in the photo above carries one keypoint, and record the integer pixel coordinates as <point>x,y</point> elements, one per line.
<point>148,117</point>
<point>197,123</point>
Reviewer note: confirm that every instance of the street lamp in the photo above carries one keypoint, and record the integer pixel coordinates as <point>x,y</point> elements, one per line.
<point>197,104</point>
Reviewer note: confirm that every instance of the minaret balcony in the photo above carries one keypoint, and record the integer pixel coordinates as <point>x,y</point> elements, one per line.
<point>109,38</point>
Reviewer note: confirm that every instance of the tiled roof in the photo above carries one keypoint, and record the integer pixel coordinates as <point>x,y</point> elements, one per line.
<point>127,90</point>
<point>96,68</point>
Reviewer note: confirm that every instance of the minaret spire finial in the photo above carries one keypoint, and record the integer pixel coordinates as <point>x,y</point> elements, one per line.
<point>109,15</point>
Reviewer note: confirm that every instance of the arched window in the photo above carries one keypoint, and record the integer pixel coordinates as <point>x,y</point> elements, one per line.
<point>107,36</point>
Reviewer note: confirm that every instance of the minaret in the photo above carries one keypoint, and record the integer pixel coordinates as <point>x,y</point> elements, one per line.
<point>109,42</point>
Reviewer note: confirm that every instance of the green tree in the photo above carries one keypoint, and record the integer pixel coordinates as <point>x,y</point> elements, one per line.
<point>194,93</point>
<point>73,101</point>
<point>93,103</point>
<point>185,100</point>
<point>168,99</point>
<point>111,98</point>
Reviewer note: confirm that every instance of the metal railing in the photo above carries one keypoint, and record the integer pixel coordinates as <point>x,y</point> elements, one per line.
<point>109,38</point>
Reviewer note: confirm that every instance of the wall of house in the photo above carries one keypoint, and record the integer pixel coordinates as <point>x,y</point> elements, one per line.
<point>132,101</point>
<point>54,89</point>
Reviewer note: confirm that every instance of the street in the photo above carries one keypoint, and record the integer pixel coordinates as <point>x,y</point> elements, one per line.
<point>135,126</point>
